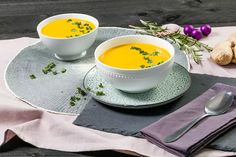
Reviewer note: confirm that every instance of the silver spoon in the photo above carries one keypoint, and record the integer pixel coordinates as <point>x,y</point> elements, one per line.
<point>217,105</point>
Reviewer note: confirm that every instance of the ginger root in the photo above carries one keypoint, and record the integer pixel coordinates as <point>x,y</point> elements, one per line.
<point>225,53</point>
<point>234,52</point>
<point>232,38</point>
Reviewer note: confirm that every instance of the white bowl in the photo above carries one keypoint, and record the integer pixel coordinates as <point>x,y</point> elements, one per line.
<point>134,80</point>
<point>69,48</point>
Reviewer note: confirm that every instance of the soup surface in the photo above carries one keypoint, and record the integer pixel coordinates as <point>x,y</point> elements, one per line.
<point>134,56</point>
<point>67,28</point>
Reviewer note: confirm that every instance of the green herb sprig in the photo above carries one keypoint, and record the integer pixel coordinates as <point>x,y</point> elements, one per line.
<point>189,45</point>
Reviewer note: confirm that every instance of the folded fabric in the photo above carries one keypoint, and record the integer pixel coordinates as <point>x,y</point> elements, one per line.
<point>200,135</point>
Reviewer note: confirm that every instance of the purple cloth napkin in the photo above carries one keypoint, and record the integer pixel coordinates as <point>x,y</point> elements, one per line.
<point>199,136</point>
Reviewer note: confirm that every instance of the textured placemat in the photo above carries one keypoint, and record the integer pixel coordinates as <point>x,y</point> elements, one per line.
<point>53,93</point>
<point>129,122</point>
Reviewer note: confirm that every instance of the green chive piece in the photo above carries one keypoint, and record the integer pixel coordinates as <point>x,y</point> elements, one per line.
<point>155,53</point>
<point>48,68</point>
<point>142,66</point>
<point>139,49</point>
<point>81,91</point>
<point>32,76</point>
<point>72,103</point>
<point>101,85</point>
<point>63,70</point>
<point>149,61</point>
<point>69,20</point>
<point>44,71</point>
<point>100,93</point>
<point>88,88</point>
<point>160,62</point>
<point>54,72</point>
<point>73,30</point>
<point>73,98</point>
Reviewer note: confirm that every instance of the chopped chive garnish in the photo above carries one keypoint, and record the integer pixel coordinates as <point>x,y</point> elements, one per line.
<point>69,20</point>
<point>149,61</point>
<point>100,93</point>
<point>139,49</point>
<point>51,68</point>
<point>76,23</point>
<point>32,76</point>
<point>48,68</point>
<point>63,70</point>
<point>160,62</point>
<point>73,98</point>
<point>81,91</point>
<point>101,85</point>
<point>155,53</point>
<point>73,30</point>
<point>89,89</point>
<point>135,48</point>
<point>142,66</point>
<point>72,103</point>
<point>54,73</point>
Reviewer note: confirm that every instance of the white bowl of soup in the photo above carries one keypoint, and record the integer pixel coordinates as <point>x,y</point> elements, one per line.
<point>134,63</point>
<point>69,35</point>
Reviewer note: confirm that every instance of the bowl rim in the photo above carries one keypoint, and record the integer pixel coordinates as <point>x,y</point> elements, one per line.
<point>65,14</point>
<point>134,70</point>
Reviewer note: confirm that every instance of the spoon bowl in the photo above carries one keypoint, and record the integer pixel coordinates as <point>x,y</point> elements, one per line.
<point>217,105</point>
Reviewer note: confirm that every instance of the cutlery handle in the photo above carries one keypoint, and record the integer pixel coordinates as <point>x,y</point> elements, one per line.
<point>177,134</point>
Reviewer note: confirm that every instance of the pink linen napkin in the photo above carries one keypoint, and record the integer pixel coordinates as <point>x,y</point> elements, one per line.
<point>198,136</point>
<point>30,124</point>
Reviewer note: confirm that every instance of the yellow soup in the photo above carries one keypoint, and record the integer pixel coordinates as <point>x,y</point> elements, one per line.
<point>134,56</point>
<point>67,28</point>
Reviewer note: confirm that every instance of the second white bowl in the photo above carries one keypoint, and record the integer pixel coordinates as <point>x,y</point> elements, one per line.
<point>134,80</point>
<point>69,48</point>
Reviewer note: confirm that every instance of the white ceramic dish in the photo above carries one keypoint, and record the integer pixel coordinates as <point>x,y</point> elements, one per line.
<point>134,80</point>
<point>68,48</point>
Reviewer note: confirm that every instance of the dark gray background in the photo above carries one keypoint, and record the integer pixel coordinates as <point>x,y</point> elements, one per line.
<point>19,18</point>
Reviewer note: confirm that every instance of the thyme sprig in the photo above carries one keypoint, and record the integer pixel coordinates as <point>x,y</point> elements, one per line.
<point>189,45</point>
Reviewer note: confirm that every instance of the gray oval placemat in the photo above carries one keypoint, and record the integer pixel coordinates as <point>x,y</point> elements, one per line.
<point>53,92</point>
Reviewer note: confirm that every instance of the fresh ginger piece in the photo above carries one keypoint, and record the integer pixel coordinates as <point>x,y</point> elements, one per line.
<point>232,39</point>
<point>222,53</point>
<point>234,55</point>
